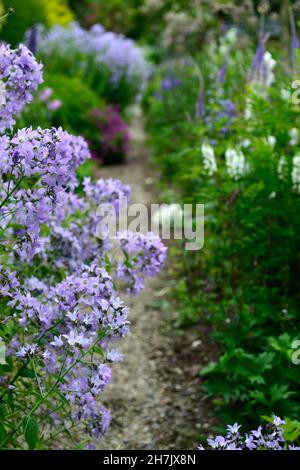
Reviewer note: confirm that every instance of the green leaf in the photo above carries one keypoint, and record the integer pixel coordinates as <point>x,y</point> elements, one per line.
<point>3,410</point>
<point>291,430</point>
<point>210,368</point>
<point>26,372</point>
<point>4,368</point>
<point>3,433</point>
<point>31,431</point>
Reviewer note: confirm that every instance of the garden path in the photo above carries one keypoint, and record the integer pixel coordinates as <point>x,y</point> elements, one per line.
<point>154,395</point>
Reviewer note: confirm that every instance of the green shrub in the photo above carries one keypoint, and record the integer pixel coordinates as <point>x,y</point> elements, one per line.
<point>75,114</point>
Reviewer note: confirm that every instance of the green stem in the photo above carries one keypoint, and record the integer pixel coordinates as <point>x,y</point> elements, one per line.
<point>43,399</point>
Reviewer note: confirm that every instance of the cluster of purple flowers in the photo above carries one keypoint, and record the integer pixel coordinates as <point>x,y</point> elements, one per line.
<point>270,438</point>
<point>61,325</point>
<point>145,255</point>
<point>222,112</point>
<point>20,75</point>
<point>37,166</point>
<point>74,240</point>
<point>114,134</point>
<point>64,316</point>
<point>120,55</point>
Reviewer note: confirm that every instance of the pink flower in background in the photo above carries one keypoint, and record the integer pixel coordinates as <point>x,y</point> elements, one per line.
<point>54,105</point>
<point>114,137</point>
<point>45,94</point>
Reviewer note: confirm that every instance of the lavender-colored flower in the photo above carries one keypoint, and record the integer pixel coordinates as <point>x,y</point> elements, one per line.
<point>54,105</point>
<point>222,72</point>
<point>114,355</point>
<point>60,325</point>
<point>32,39</point>
<point>270,438</point>
<point>234,429</point>
<point>295,39</point>
<point>147,254</point>
<point>200,102</point>
<point>21,75</point>
<point>120,55</point>
<point>169,83</point>
<point>45,94</point>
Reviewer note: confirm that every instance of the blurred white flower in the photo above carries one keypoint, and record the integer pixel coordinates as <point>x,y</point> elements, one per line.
<point>294,136</point>
<point>248,109</point>
<point>281,167</point>
<point>236,163</point>
<point>246,143</point>
<point>296,173</point>
<point>269,64</point>
<point>271,139</point>
<point>228,40</point>
<point>263,76</point>
<point>209,160</point>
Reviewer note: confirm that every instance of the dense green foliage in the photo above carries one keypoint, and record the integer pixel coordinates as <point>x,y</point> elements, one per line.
<point>244,284</point>
<point>74,115</point>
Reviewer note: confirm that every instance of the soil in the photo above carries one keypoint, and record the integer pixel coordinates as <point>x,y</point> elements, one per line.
<point>155,397</point>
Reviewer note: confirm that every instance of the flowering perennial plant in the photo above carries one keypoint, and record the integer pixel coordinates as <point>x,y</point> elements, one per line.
<point>103,50</point>
<point>20,75</point>
<point>61,313</point>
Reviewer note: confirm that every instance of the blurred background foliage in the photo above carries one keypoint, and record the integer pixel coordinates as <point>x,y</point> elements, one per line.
<point>25,14</point>
<point>171,24</point>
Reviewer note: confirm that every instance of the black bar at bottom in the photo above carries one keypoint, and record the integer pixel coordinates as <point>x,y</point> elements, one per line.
<point>139,458</point>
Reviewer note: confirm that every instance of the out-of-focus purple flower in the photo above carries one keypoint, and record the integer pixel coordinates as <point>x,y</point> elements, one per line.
<point>259,55</point>
<point>168,83</point>
<point>157,95</point>
<point>222,72</point>
<point>45,94</point>
<point>114,134</point>
<point>295,39</point>
<point>32,39</point>
<point>200,102</point>
<point>54,105</point>
<point>123,58</point>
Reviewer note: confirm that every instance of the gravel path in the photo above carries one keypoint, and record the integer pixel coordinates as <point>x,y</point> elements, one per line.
<point>154,396</point>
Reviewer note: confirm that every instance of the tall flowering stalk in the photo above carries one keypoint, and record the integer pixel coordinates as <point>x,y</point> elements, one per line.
<point>295,39</point>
